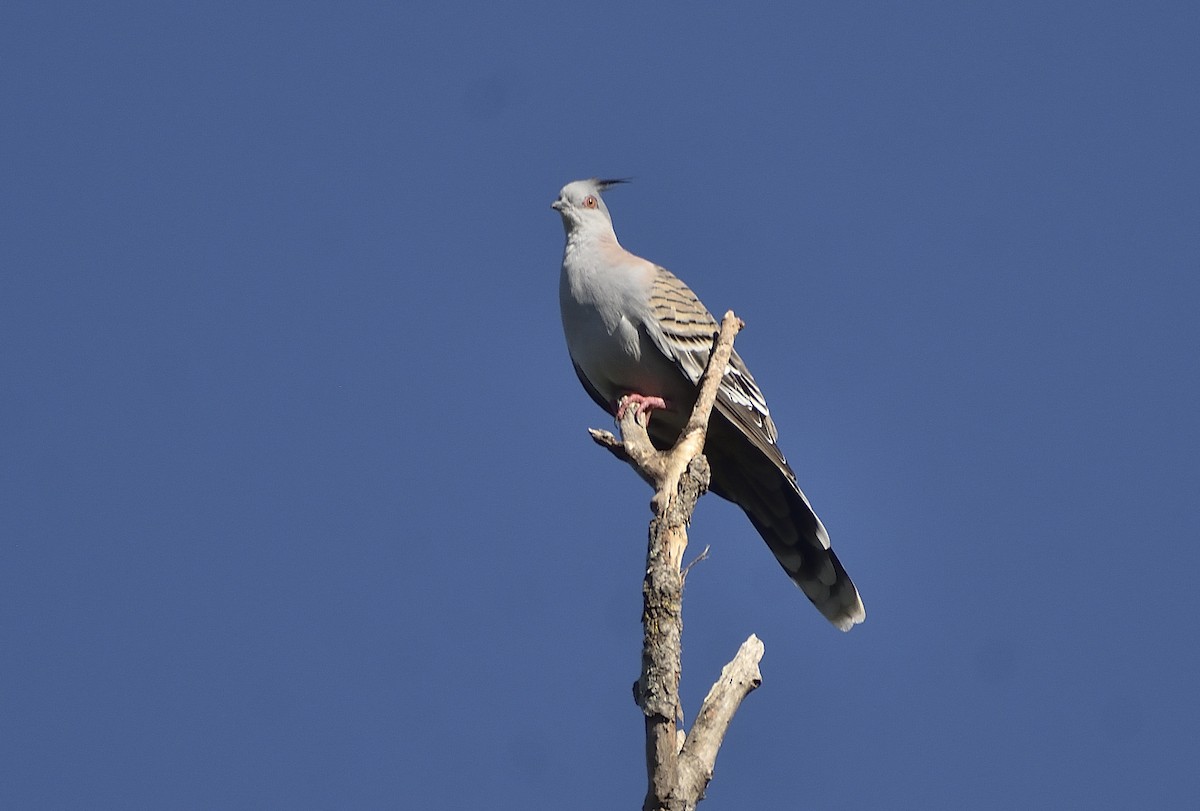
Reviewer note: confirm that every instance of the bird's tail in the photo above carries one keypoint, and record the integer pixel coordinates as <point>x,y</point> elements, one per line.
<point>812,567</point>
<point>770,497</point>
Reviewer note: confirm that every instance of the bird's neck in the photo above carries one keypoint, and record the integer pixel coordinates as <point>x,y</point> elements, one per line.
<point>591,241</point>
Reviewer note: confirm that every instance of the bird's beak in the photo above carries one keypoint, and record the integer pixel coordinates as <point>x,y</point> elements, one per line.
<point>557,205</point>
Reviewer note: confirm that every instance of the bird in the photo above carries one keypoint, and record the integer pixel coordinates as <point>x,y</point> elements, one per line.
<point>636,333</point>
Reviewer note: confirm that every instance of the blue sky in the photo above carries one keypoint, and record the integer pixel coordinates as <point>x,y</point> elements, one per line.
<point>299,510</point>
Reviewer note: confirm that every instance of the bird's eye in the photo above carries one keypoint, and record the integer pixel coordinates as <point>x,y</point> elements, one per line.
<point>589,202</point>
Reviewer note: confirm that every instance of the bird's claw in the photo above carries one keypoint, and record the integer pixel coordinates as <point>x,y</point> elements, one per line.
<point>645,405</point>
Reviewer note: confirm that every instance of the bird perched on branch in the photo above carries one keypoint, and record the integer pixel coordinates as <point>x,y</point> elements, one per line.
<point>637,333</point>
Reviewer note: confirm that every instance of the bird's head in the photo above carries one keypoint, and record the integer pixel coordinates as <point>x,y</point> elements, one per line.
<point>581,206</point>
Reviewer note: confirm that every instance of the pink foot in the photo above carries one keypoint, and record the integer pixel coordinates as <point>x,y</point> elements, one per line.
<point>643,404</point>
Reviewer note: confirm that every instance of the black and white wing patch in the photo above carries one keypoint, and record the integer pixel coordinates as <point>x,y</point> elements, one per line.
<point>684,331</point>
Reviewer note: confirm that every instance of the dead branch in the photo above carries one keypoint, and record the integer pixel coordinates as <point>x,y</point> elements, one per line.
<point>679,768</point>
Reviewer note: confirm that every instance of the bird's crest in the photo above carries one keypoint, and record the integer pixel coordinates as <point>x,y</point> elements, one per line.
<point>605,185</point>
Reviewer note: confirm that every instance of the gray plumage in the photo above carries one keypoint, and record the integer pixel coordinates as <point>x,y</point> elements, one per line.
<point>632,327</point>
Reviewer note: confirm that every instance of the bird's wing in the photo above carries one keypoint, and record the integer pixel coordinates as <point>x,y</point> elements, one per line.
<point>747,465</point>
<point>683,330</point>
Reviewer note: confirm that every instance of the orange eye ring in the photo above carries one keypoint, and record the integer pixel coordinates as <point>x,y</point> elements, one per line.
<point>589,202</point>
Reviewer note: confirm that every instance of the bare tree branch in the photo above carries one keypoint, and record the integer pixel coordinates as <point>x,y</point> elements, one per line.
<point>679,768</point>
<point>699,753</point>
<point>702,556</point>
